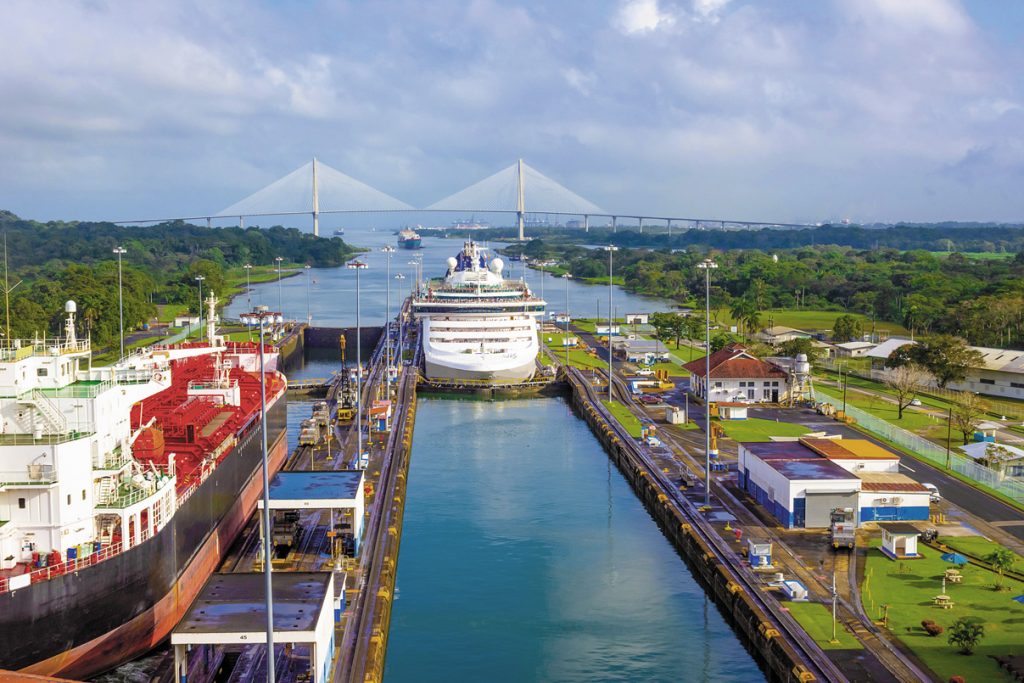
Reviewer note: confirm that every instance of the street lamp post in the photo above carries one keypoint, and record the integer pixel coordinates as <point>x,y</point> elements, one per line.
<point>707,265</point>
<point>564,341</point>
<point>309,317</point>
<point>280,301</point>
<point>199,328</point>
<point>388,252</point>
<point>248,286</point>
<point>120,294</point>
<point>261,319</point>
<point>358,266</point>
<point>611,250</point>
<point>401,327</point>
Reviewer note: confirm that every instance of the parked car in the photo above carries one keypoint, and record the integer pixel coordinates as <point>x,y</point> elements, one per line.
<point>915,401</point>
<point>644,372</point>
<point>649,400</point>
<point>933,492</point>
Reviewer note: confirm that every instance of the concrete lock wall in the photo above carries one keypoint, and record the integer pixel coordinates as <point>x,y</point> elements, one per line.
<point>759,635</point>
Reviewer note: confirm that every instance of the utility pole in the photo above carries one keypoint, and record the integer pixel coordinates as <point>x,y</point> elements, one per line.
<point>120,295</point>
<point>261,319</point>
<point>611,250</point>
<point>707,265</point>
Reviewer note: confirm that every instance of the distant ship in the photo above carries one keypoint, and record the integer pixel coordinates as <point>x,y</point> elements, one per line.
<point>127,485</point>
<point>471,224</point>
<point>476,325</point>
<point>340,232</point>
<point>409,239</point>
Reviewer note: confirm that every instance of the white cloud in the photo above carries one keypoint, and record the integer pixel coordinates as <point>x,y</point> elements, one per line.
<point>862,103</point>
<point>709,9</point>
<point>642,16</point>
<point>579,81</point>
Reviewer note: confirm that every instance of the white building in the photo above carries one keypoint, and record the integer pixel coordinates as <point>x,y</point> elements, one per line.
<point>801,482</point>
<point>778,334</point>
<point>738,376</point>
<point>853,349</point>
<point>1000,374</point>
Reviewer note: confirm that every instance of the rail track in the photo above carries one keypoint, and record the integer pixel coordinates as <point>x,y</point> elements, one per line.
<point>359,633</point>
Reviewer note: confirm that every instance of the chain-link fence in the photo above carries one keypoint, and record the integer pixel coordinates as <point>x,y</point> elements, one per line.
<point>1011,487</point>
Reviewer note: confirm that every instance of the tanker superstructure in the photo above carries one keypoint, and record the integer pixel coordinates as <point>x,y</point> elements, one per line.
<point>121,489</point>
<point>477,326</point>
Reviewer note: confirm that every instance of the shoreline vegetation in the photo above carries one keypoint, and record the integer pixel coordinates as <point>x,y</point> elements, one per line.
<point>158,272</point>
<point>884,290</point>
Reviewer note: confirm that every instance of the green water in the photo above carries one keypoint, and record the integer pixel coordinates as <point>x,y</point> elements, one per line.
<point>526,557</point>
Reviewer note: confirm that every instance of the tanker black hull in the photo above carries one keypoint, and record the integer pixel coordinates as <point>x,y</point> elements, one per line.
<point>83,623</point>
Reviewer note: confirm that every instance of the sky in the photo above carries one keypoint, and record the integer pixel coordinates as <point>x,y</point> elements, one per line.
<point>872,110</point>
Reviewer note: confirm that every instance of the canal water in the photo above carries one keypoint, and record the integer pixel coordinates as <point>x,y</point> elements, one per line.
<point>525,556</point>
<point>331,300</point>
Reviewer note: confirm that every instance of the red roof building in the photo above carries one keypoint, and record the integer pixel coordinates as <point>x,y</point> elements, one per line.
<point>738,376</point>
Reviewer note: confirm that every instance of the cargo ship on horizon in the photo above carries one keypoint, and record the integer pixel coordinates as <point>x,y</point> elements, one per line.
<point>121,489</point>
<point>409,239</point>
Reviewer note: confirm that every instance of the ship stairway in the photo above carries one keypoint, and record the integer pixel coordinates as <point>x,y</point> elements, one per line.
<point>56,421</point>
<point>108,491</point>
<point>107,528</point>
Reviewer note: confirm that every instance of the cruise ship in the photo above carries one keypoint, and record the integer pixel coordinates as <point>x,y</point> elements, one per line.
<point>121,489</point>
<point>478,326</point>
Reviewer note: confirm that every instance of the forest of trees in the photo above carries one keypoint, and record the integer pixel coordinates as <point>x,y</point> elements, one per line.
<point>57,261</point>
<point>942,237</point>
<point>979,300</point>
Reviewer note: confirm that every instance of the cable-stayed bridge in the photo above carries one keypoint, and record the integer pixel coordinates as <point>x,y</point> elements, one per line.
<point>315,189</point>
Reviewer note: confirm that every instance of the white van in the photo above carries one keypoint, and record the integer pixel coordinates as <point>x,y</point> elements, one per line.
<point>933,493</point>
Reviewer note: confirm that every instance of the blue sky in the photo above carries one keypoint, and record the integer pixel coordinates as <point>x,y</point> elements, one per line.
<point>760,110</point>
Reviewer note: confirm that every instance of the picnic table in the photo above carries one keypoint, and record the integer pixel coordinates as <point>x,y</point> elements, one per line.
<point>954,576</point>
<point>944,601</point>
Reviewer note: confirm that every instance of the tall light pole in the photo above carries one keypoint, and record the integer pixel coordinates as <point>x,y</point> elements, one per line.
<point>309,317</point>
<point>401,328</point>
<point>120,251</point>
<point>611,250</point>
<point>248,286</point>
<point>565,341</point>
<point>707,265</point>
<point>388,252</point>
<point>280,301</point>
<point>358,266</point>
<point>261,318</point>
<point>199,329</point>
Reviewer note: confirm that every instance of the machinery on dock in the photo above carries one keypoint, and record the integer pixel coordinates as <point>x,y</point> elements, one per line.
<point>309,433</point>
<point>843,528</point>
<point>285,532</point>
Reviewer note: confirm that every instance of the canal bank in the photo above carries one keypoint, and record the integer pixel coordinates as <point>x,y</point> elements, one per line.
<point>526,556</point>
<point>780,643</point>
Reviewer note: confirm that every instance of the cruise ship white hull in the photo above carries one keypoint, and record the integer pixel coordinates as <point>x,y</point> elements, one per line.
<point>493,372</point>
<point>476,326</point>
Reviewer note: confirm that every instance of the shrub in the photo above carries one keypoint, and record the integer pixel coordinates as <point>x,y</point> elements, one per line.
<point>932,628</point>
<point>965,635</point>
<point>957,679</point>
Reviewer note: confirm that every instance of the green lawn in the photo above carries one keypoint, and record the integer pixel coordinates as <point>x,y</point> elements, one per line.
<point>625,418</point>
<point>908,593</point>
<point>913,420</point>
<point>815,320</point>
<point>816,619</point>
<point>673,369</point>
<point>978,546</point>
<point>756,429</point>
<point>603,280</point>
<point>166,313</point>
